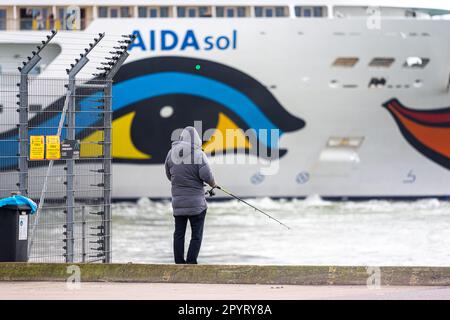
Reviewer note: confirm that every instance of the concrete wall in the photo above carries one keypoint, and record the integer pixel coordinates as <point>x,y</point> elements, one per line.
<point>227,274</point>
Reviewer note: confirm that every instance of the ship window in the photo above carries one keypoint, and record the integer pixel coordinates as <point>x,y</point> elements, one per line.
<point>192,12</point>
<point>416,62</point>
<point>397,12</point>
<point>142,12</point>
<point>203,11</point>
<point>318,11</point>
<point>33,18</point>
<point>2,19</point>
<point>310,11</point>
<point>258,12</point>
<point>345,62</point>
<point>153,12</point>
<point>381,62</point>
<point>230,12</point>
<point>102,12</point>
<point>277,11</point>
<point>114,13</point>
<point>181,12</point>
<point>125,12</point>
<point>164,12</point>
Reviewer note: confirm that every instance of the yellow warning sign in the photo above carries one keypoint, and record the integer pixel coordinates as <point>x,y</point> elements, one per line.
<point>36,147</point>
<point>53,149</point>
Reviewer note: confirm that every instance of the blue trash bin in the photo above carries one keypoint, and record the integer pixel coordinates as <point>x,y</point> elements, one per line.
<point>14,212</point>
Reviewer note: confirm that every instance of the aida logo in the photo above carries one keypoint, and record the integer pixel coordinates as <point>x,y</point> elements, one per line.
<point>168,40</point>
<point>428,131</point>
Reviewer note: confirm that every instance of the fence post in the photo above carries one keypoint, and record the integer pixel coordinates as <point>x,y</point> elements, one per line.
<point>23,112</point>
<point>83,234</point>
<point>112,66</point>
<point>71,130</point>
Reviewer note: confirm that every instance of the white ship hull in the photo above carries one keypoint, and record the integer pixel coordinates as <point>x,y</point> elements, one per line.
<point>293,59</point>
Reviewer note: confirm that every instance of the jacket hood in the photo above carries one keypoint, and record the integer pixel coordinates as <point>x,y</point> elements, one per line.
<point>188,142</point>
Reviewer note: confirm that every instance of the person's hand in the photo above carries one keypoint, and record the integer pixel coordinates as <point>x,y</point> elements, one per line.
<point>210,192</point>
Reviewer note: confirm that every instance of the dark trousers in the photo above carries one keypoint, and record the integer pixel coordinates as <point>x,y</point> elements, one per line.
<point>196,223</point>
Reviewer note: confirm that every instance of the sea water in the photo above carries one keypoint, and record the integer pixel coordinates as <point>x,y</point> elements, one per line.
<point>369,233</point>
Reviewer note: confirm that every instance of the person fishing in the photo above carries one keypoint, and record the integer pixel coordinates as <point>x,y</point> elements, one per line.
<point>188,169</point>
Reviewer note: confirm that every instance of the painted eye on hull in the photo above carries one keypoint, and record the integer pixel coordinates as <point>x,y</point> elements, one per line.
<point>150,128</point>
<point>154,97</point>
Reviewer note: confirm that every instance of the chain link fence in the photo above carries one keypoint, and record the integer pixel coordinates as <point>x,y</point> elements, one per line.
<point>55,148</point>
<point>48,231</point>
<point>9,139</point>
<point>84,231</point>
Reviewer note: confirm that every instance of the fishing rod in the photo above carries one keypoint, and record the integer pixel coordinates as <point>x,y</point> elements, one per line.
<point>211,193</point>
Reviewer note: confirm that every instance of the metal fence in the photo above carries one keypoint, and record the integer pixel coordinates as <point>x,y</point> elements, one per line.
<point>76,204</point>
<point>72,186</point>
<point>9,146</point>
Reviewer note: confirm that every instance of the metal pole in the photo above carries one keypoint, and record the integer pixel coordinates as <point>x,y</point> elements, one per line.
<point>23,130</point>
<point>70,163</point>
<point>83,234</point>
<point>110,71</point>
<point>107,157</point>
<point>23,113</point>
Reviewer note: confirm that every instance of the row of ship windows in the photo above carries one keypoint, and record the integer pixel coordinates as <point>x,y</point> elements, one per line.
<point>410,62</point>
<point>206,11</point>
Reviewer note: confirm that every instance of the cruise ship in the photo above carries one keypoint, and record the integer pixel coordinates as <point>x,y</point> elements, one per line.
<point>358,91</point>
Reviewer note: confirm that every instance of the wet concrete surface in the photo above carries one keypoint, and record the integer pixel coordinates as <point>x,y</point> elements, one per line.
<point>183,291</point>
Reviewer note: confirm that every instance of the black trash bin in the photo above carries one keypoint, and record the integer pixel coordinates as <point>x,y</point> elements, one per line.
<point>14,233</point>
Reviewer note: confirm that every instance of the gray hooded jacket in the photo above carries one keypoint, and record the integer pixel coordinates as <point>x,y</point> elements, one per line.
<point>187,168</point>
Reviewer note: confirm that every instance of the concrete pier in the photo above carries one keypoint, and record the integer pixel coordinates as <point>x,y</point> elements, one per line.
<point>233,282</point>
<point>229,274</point>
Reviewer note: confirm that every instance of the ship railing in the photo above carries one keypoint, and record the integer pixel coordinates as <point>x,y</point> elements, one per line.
<point>36,24</point>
